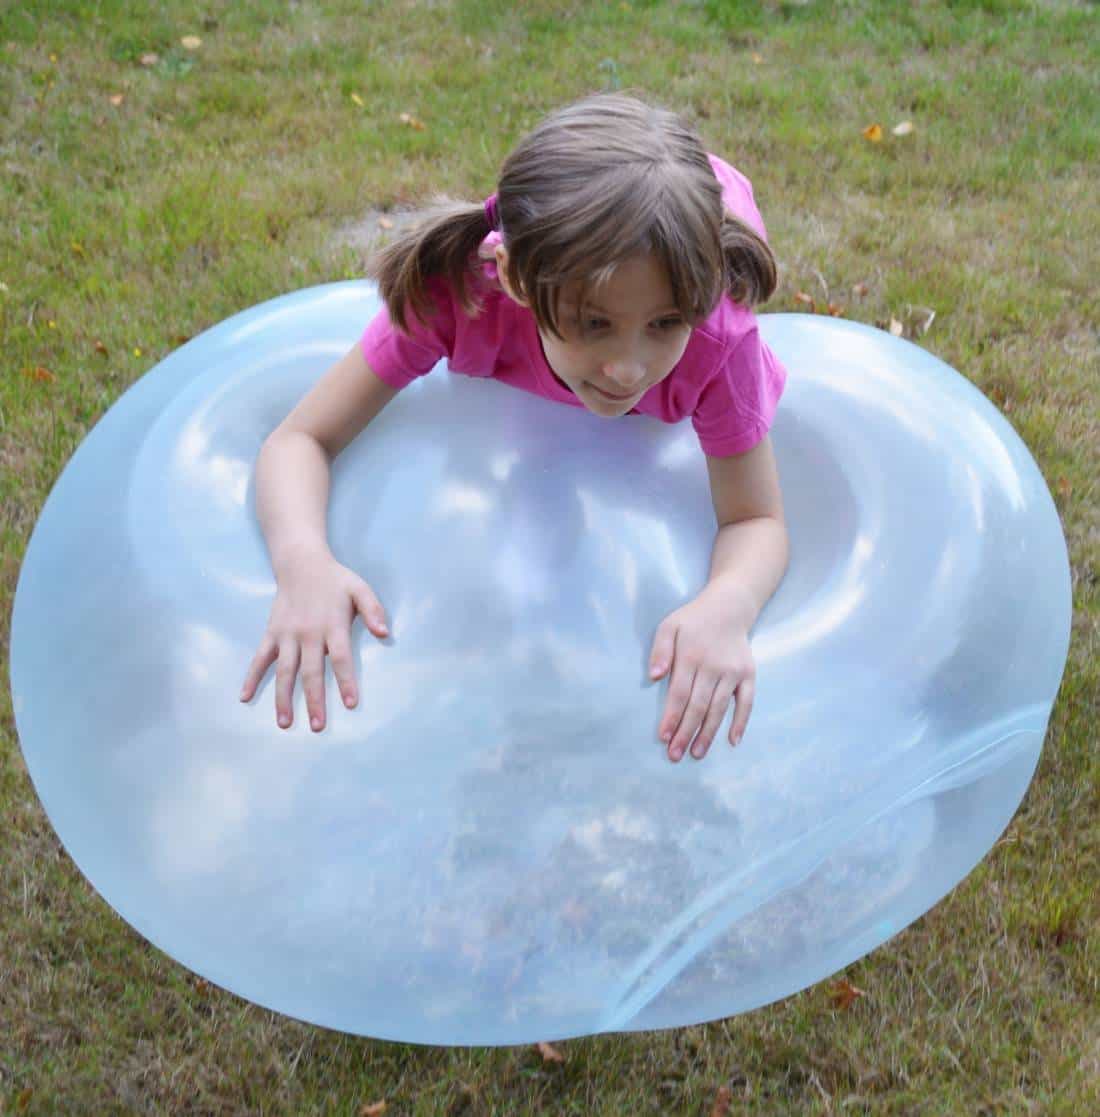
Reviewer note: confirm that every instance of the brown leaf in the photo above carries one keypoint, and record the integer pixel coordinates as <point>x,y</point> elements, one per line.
<point>100,347</point>
<point>77,247</point>
<point>373,1109</point>
<point>844,993</point>
<point>860,289</point>
<point>836,310</point>
<point>550,1054</point>
<point>1064,486</point>
<point>722,1101</point>
<point>116,99</point>
<point>412,122</point>
<point>806,300</point>
<point>896,328</point>
<point>39,372</point>
<point>149,58</point>
<point>190,42</point>
<point>873,132</point>
<point>24,1099</point>
<point>385,223</point>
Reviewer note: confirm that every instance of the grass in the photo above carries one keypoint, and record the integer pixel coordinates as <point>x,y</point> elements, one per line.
<point>231,173</point>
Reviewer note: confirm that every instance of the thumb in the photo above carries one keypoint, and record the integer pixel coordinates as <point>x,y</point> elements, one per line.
<point>370,609</point>
<point>660,658</point>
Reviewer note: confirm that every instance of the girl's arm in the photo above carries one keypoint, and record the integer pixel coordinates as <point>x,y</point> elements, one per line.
<point>317,598</point>
<point>705,644</point>
<point>750,550</point>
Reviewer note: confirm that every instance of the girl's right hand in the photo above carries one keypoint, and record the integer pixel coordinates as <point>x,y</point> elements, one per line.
<point>314,610</point>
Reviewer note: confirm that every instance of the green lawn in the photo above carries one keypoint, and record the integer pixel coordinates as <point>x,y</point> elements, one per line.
<point>145,199</point>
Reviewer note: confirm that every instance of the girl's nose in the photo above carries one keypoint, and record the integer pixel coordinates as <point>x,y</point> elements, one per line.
<point>626,373</point>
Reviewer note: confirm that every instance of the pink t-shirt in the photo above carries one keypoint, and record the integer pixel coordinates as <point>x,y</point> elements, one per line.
<point>728,380</point>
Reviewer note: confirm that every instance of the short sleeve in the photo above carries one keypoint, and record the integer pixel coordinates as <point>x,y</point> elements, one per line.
<point>737,405</point>
<point>399,358</point>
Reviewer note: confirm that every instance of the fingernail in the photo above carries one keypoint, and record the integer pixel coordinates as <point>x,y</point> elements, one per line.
<point>316,724</point>
<point>737,740</point>
<point>284,721</point>
<point>656,669</point>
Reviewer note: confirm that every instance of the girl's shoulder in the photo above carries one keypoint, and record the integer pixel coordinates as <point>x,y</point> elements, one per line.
<point>737,193</point>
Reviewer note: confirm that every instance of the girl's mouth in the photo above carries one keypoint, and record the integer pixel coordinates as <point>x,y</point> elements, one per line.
<point>607,395</point>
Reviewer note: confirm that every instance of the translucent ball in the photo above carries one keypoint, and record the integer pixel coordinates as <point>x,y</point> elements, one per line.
<point>493,846</point>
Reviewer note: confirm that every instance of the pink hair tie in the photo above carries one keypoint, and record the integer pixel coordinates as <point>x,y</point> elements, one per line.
<point>491,210</point>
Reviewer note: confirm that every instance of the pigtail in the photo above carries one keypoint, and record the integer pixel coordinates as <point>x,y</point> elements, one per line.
<point>444,243</point>
<point>750,265</point>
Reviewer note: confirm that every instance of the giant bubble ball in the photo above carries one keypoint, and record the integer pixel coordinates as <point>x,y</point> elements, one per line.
<point>493,847</point>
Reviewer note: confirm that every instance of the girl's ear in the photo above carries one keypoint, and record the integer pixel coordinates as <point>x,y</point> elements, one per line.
<point>501,254</point>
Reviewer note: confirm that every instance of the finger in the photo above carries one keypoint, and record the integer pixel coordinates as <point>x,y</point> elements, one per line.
<point>719,704</point>
<point>679,691</point>
<point>745,695</point>
<point>313,683</point>
<point>343,667</point>
<point>289,655</point>
<point>370,609</point>
<point>664,648</point>
<point>263,659</point>
<point>702,691</point>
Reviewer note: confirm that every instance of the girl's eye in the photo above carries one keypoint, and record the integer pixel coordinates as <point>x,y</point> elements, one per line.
<point>669,323</point>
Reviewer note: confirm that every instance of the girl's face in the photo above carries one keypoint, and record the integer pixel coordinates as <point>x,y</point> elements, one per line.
<point>628,338</point>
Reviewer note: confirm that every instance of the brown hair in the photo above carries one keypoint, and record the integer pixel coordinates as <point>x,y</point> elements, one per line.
<point>596,182</point>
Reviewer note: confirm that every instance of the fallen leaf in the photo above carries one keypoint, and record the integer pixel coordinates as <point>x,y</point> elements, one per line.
<point>873,132</point>
<point>836,310</point>
<point>116,99</point>
<point>412,122</point>
<point>53,57</point>
<point>806,300</point>
<point>896,328</point>
<point>357,99</point>
<point>550,1054</point>
<point>844,993</point>
<point>4,288</point>
<point>902,129</point>
<point>51,323</point>
<point>722,1101</point>
<point>78,249</point>
<point>39,372</point>
<point>100,347</point>
<point>137,351</point>
<point>757,58</point>
<point>1064,486</point>
<point>24,1099</point>
<point>924,316</point>
<point>373,1109</point>
<point>190,42</point>
<point>385,223</point>
<point>149,58</point>
<point>860,289</point>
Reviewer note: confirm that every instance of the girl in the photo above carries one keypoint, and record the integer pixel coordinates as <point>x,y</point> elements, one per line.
<point>613,270</point>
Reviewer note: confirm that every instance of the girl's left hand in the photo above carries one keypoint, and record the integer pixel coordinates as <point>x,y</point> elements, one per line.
<point>705,643</point>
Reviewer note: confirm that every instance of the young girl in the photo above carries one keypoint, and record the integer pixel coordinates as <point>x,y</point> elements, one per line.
<point>614,269</point>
